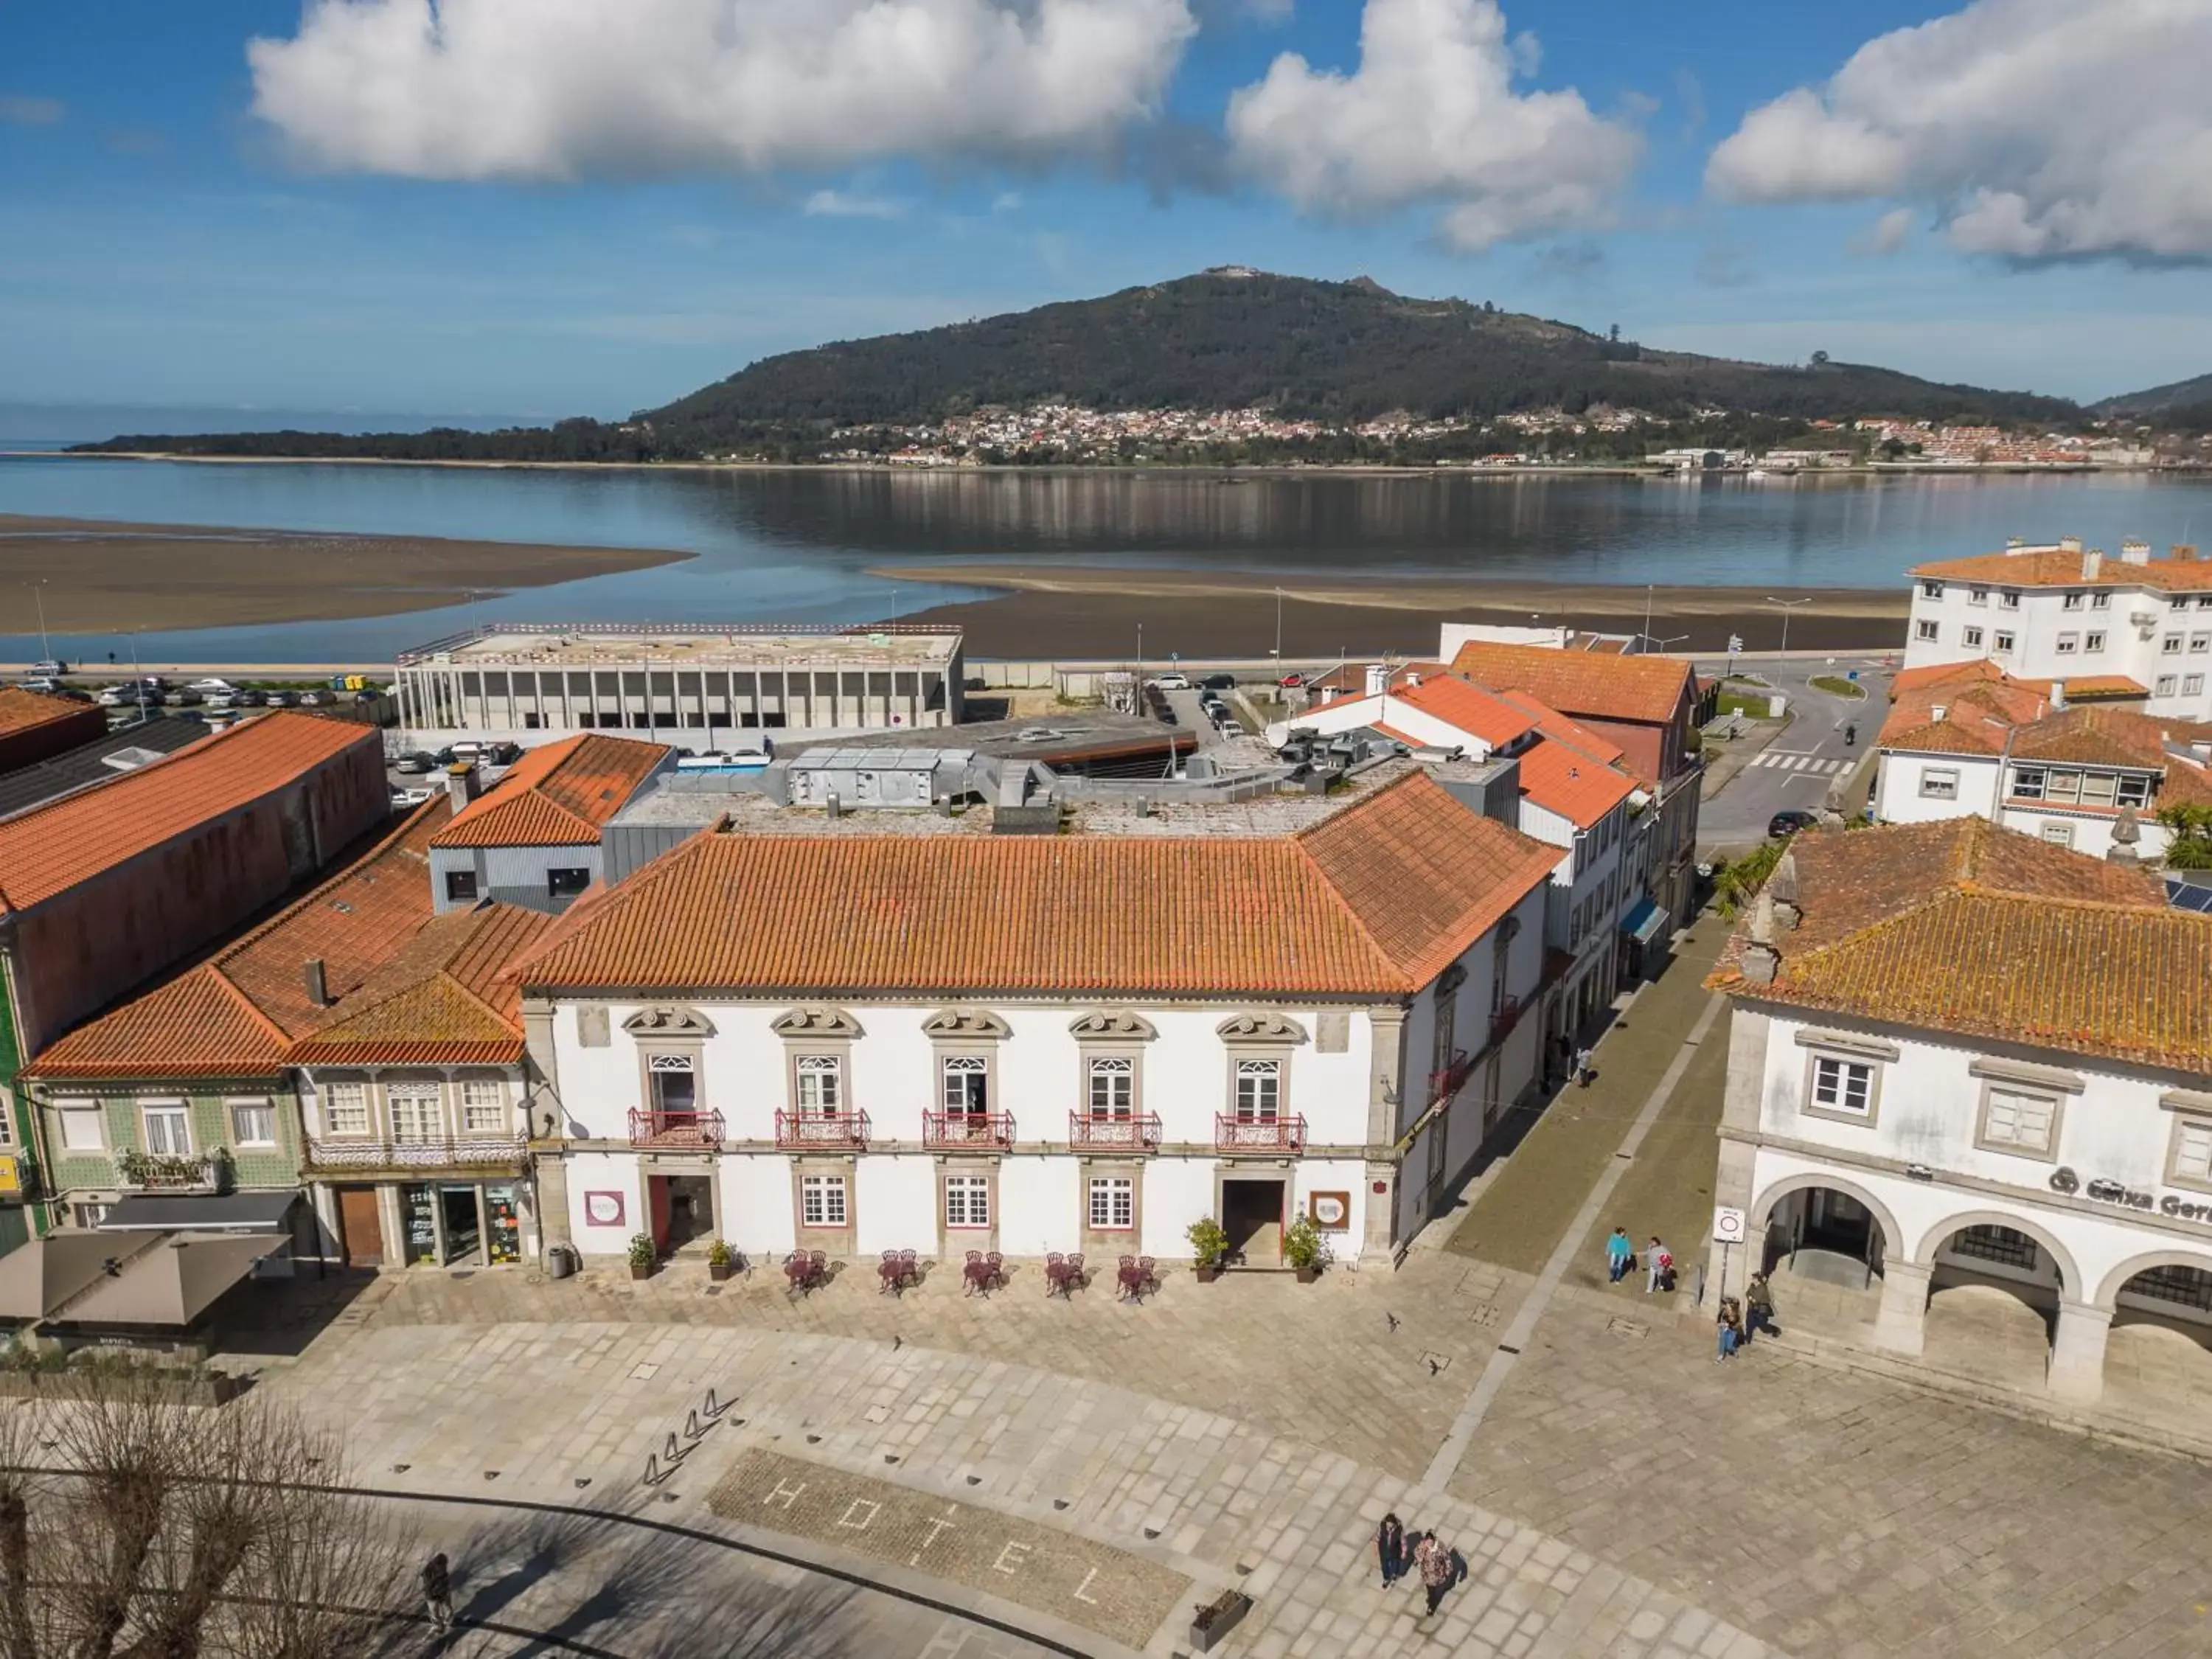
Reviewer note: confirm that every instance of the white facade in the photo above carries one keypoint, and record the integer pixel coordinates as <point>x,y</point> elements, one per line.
<point>1592,886</point>
<point>1384,708</point>
<point>1941,1159</point>
<point>2158,634</point>
<point>1103,1127</point>
<point>1913,787</point>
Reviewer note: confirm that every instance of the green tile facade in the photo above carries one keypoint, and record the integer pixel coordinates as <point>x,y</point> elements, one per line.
<point>208,1101</point>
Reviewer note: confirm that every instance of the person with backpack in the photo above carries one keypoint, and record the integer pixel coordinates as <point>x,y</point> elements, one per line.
<point>438,1592</point>
<point>1659,1267</point>
<point>1758,1307</point>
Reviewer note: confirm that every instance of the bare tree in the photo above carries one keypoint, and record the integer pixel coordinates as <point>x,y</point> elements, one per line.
<point>134,1527</point>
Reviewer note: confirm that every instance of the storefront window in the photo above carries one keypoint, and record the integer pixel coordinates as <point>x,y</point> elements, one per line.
<point>502,1223</point>
<point>457,1208</point>
<point>418,1210</point>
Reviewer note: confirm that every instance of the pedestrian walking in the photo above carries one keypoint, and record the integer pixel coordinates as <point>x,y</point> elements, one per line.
<point>1620,1256</point>
<point>438,1592</point>
<point>1433,1560</point>
<point>1758,1307</point>
<point>1731,1330</point>
<point>1583,1073</point>
<point>1390,1549</point>
<point>1658,1266</point>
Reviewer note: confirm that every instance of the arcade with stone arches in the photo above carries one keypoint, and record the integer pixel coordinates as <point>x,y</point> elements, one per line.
<point>1999,1292</point>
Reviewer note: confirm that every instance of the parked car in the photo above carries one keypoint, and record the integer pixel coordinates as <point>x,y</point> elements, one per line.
<point>1789,821</point>
<point>211,684</point>
<point>118,696</point>
<point>42,683</point>
<point>1218,682</point>
<point>182,697</point>
<point>314,699</point>
<point>414,763</point>
<point>403,799</point>
<point>282,699</point>
<point>1172,681</point>
<point>249,699</point>
<point>1291,682</point>
<point>49,667</point>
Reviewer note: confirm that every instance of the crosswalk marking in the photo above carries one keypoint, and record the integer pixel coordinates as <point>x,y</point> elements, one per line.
<point>1809,764</point>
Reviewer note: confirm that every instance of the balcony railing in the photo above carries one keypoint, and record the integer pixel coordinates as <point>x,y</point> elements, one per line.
<point>651,1128</point>
<point>414,1154</point>
<point>812,1132</point>
<point>1444,1084</point>
<point>1139,1133</point>
<point>1276,1134</point>
<point>160,1172</point>
<point>957,1129</point>
<point>1503,1022</point>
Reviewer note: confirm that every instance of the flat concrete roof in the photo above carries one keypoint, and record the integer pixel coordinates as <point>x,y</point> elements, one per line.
<point>727,645</point>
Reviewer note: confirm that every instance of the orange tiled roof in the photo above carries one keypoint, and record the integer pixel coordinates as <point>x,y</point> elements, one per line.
<point>1553,724</point>
<point>1578,788</point>
<point>51,848</point>
<point>21,710</point>
<point>1959,925</point>
<point>1374,900</point>
<point>1589,684</point>
<point>559,795</point>
<point>1466,708</point>
<point>1978,711</point>
<point>448,998</point>
<point>2054,568</point>
<point>2098,734</point>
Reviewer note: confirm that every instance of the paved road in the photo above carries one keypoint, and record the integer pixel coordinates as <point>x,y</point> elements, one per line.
<point>1799,766</point>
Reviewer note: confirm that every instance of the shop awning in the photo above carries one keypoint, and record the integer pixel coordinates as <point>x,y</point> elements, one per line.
<point>201,1212</point>
<point>42,1274</point>
<point>169,1283</point>
<point>1646,922</point>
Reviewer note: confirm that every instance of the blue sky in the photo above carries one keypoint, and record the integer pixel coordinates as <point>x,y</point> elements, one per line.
<point>520,226</point>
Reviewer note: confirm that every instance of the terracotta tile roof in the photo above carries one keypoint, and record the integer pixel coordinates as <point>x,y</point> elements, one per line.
<point>1590,684</point>
<point>448,998</point>
<point>1978,711</point>
<point>1373,901</point>
<point>51,848</point>
<point>2054,568</point>
<point>1962,673</point>
<point>21,710</point>
<point>2080,686</point>
<point>1961,927</point>
<point>2097,734</point>
<point>559,795</point>
<point>1468,708</point>
<point>1575,786</point>
<point>1553,724</point>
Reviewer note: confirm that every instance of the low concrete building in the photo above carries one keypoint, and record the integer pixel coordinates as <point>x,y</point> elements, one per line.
<point>35,726</point>
<point>533,838</point>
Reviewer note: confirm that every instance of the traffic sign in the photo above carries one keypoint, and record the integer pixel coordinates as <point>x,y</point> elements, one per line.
<point>1727,1225</point>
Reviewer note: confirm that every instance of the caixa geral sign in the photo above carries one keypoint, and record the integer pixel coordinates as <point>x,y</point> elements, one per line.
<point>2064,1179</point>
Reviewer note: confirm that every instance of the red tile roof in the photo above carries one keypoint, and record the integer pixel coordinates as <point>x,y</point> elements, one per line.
<point>21,710</point>
<point>2050,567</point>
<point>1373,901</point>
<point>1467,707</point>
<point>1553,724</point>
<point>1592,685</point>
<point>560,795</point>
<point>1577,788</point>
<point>50,850</point>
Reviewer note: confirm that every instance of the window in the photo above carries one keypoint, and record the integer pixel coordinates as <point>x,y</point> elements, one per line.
<point>821,1085</point>
<point>2192,685</point>
<point>1940,782</point>
<point>566,884</point>
<point>484,1106</point>
<point>2071,602</point>
<point>461,886</point>
<point>1977,596</point>
<point>675,1082</point>
<point>252,1123</point>
<point>2058,835</point>
<point>2092,644</point>
<point>2017,1121</point>
<point>1113,1203</point>
<point>2135,792</point>
<point>1113,1086</point>
<point>1259,1090</point>
<point>967,1200</point>
<point>345,1108</point>
<point>2204,601</point>
<point>1971,637</point>
<point>83,1129</point>
<point>2100,602</point>
<point>2028,782</point>
<point>2003,643</point>
<point>2180,601</point>
<point>2170,645</point>
<point>2063,786</point>
<point>1931,590</point>
<point>413,1108</point>
<point>822,1201</point>
<point>966,1084</point>
<point>1999,1244</point>
<point>2165,686</point>
<point>2008,601</point>
<point>168,1128</point>
<point>1842,1085</point>
<point>1926,630</point>
<point>2069,644</point>
<point>2192,1150</point>
<point>2199,643</point>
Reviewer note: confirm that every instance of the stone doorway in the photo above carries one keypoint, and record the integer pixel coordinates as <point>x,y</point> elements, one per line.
<point>1252,1216</point>
<point>682,1210</point>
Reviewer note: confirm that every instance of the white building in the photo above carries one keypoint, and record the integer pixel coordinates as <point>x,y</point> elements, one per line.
<point>2133,624</point>
<point>1968,741</point>
<point>1959,1055</point>
<point>701,688</point>
<point>859,1033</point>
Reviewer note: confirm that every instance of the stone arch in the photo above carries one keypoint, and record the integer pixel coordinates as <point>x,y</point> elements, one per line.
<point>2069,1276</point>
<point>2108,1293</point>
<point>1762,1209</point>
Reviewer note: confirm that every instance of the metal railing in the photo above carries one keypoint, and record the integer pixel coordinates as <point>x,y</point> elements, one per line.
<point>1276,1134</point>
<point>161,1172</point>
<point>414,1154</point>
<point>652,1128</point>
<point>809,1131</point>
<point>1140,1133</point>
<point>957,1129</point>
<point>1447,1083</point>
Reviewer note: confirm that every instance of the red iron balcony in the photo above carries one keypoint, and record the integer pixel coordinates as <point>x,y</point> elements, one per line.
<point>1503,1022</point>
<point>954,1130</point>
<point>1444,1085</point>
<point>1139,1133</point>
<point>649,1128</point>
<point>1279,1134</point>
<point>842,1131</point>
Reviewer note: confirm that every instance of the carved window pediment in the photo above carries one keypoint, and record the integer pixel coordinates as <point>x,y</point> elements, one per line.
<point>972,1024</point>
<point>1260,1028</point>
<point>817,1021</point>
<point>664,1023</point>
<point>1113,1024</point>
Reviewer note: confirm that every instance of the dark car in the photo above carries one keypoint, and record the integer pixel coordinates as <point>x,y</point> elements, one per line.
<point>1789,821</point>
<point>1217,682</point>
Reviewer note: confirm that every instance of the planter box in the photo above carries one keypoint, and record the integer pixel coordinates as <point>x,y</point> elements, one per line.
<point>1206,1275</point>
<point>641,1269</point>
<point>1308,1275</point>
<point>214,1389</point>
<point>1217,1619</point>
<point>719,1271</point>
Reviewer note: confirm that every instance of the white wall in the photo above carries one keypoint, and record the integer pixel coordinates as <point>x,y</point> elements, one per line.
<point>895,1204</point>
<point>1038,1207</point>
<point>1898,800</point>
<point>1394,712</point>
<point>756,1201</point>
<point>614,1172</point>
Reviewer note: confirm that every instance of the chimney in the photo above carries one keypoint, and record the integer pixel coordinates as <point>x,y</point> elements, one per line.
<point>2092,562</point>
<point>1413,679</point>
<point>319,990</point>
<point>831,804</point>
<point>1938,711</point>
<point>2013,544</point>
<point>462,783</point>
<point>1378,678</point>
<point>2135,551</point>
<point>2069,544</point>
<point>1782,888</point>
<point>2058,695</point>
<point>1761,961</point>
<point>2185,551</point>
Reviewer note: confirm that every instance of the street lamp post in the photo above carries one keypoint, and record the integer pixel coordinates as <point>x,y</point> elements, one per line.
<point>39,596</point>
<point>1279,630</point>
<point>1788,606</point>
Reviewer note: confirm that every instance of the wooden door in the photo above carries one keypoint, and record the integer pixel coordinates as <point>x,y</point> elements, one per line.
<point>360,1229</point>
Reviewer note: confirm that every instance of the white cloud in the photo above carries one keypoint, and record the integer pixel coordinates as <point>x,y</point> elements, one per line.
<point>1431,115</point>
<point>1890,231</point>
<point>842,204</point>
<point>561,89</point>
<point>22,111</point>
<point>2038,129</point>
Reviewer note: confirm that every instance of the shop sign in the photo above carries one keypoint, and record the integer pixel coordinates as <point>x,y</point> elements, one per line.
<point>11,1176</point>
<point>2066,1181</point>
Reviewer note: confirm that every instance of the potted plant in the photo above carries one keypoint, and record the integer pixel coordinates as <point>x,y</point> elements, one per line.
<point>1304,1249</point>
<point>1208,1244</point>
<point>722,1261</point>
<point>642,1255</point>
<point>1212,1621</point>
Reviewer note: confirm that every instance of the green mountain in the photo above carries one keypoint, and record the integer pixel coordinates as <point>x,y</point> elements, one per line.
<point>2159,399</point>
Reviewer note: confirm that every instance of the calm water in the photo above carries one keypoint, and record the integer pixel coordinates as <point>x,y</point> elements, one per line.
<point>797,546</point>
